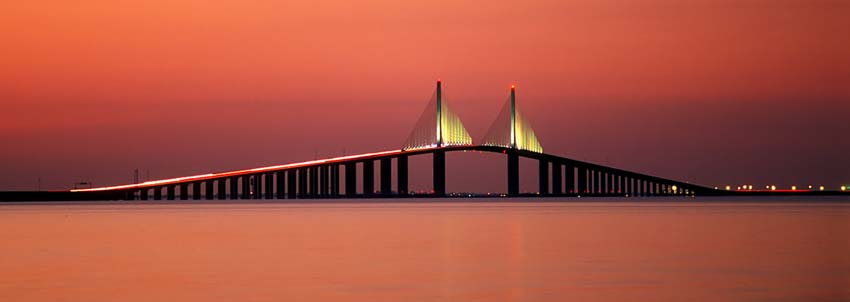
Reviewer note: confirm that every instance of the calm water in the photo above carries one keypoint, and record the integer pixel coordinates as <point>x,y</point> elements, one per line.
<point>427,251</point>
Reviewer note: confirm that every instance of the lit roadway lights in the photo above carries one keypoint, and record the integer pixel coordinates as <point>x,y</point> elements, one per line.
<point>792,188</point>
<point>240,172</point>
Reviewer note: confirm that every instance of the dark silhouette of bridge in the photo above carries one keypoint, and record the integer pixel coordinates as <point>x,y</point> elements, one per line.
<point>438,131</point>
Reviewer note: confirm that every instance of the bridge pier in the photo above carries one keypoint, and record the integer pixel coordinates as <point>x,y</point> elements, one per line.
<point>336,176</point>
<point>368,177</point>
<point>401,163</point>
<point>280,184</point>
<point>268,185</point>
<point>157,193</point>
<point>328,189</point>
<point>569,179</point>
<point>582,180</point>
<point>256,186</point>
<point>513,173</point>
<point>611,183</point>
<point>329,180</point>
<point>323,181</point>
<point>386,176</point>
<point>221,188</point>
<point>314,181</point>
<point>556,179</point>
<point>543,177</point>
<point>593,181</point>
<point>246,186</point>
<point>143,194</point>
<point>619,185</point>
<point>196,190</point>
<point>351,180</point>
<point>302,183</point>
<point>234,187</point>
<point>184,191</point>
<point>440,173</point>
<point>208,189</point>
<point>291,184</point>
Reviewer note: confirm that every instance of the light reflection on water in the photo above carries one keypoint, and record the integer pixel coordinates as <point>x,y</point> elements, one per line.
<point>421,250</point>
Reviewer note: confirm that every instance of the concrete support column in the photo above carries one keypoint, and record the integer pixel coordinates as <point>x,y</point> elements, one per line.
<point>246,186</point>
<point>256,186</point>
<point>368,177</point>
<point>543,177</point>
<point>513,173</point>
<point>328,185</point>
<point>323,181</point>
<point>569,179</point>
<point>291,184</point>
<point>401,163</point>
<point>302,183</point>
<point>143,194</point>
<point>314,181</point>
<point>169,192</point>
<point>386,176</point>
<point>208,189</point>
<point>556,179</point>
<point>268,185</point>
<point>335,180</point>
<point>222,188</point>
<point>157,193</point>
<point>280,184</point>
<point>612,180</point>
<point>350,180</point>
<point>619,184</point>
<point>440,173</point>
<point>581,181</point>
<point>597,182</point>
<point>196,190</point>
<point>184,191</point>
<point>234,187</point>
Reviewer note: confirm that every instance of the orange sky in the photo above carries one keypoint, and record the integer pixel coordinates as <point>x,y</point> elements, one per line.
<point>705,91</point>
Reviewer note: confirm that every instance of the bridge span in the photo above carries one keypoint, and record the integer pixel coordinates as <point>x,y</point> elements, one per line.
<point>438,131</point>
<point>558,176</point>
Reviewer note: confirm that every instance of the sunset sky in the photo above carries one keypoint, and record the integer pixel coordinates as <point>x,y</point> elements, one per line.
<point>708,91</point>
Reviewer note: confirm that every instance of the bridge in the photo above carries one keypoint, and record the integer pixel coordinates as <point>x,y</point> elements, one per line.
<point>438,131</point>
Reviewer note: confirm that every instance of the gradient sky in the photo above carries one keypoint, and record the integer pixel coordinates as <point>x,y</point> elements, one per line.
<point>708,91</point>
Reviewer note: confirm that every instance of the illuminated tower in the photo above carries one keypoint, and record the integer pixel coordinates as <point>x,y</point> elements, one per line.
<point>439,113</point>
<point>513,116</point>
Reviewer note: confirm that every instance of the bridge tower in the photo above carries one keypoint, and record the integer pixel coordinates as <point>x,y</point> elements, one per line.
<point>438,127</point>
<point>512,130</point>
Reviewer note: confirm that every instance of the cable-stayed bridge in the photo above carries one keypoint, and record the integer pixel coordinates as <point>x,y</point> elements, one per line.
<point>438,131</point>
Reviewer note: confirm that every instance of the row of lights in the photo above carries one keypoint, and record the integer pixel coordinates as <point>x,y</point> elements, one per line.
<point>773,188</point>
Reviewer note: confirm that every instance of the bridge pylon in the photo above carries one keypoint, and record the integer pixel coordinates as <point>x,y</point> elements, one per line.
<point>511,129</point>
<point>438,126</point>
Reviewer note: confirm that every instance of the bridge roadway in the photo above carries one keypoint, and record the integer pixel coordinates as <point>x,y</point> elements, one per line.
<point>321,179</point>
